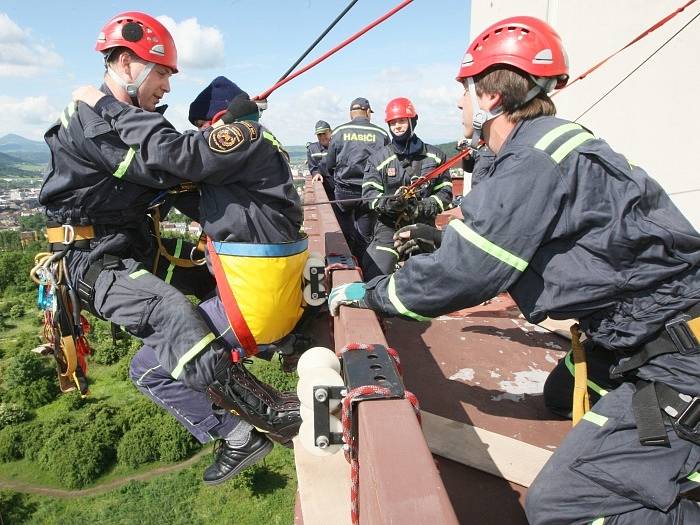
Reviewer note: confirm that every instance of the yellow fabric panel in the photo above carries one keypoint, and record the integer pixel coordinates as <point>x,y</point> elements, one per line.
<point>268,291</point>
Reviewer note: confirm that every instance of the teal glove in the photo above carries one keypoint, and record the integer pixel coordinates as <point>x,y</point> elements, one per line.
<point>351,294</point>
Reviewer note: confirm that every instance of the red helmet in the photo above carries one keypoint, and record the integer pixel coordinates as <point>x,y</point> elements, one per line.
<point>142,34</point>
<point>524,42</point>
<point>399,108</point>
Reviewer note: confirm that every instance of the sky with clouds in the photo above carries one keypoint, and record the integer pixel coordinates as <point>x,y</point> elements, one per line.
<point>47,50</point>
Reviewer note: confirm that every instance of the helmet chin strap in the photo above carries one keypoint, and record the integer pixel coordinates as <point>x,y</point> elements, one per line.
<point>133,87</point>
<point>480,116</point>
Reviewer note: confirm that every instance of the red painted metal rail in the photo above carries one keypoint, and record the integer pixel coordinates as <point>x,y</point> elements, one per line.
<point>399,482</point>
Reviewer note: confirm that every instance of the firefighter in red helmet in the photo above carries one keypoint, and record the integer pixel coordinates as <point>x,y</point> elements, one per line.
<point>571,229</point>
<point>140,56</point>
<point>387,173</point>
<point>97,192</point>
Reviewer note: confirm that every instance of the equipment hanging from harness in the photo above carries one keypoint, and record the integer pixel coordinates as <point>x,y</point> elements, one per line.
<point>64,327</point>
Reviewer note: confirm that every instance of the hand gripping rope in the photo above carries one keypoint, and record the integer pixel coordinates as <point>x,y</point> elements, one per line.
<point>362,393</point>
<point>407,191</point>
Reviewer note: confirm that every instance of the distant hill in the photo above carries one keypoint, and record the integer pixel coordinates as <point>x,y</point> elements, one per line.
<point>29,151</point>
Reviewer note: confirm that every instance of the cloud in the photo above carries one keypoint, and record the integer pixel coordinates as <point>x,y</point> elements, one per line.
<point>292,114</point>
<point>20,54</point>
<point>29,116</point>
<point>198,47</point>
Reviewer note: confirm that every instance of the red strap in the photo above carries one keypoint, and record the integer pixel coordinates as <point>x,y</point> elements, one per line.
<point>440,169</point>
<point>633,41</point>
<point>233,313</point>
<point>337,48</point>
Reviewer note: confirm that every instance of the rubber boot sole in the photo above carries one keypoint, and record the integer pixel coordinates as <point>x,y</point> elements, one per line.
<point>247,462</point>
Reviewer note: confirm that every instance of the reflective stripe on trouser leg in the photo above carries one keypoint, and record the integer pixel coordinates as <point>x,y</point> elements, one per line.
<point>155,312</point>
<point>192,409</point>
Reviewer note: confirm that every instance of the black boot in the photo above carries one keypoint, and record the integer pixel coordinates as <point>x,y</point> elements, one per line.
<point>264,407</point>
<point>230,460</point>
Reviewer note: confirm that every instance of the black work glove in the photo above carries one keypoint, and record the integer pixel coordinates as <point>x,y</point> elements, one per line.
<point>391,205</point>
<point>417,238</point>
<point>428,208</point>
<point>240,106</point>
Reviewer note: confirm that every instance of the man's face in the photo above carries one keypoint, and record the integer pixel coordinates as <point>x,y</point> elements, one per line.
<point>399,126</point>
<point>465,104</point>
<point>324,138</point>
<point>154,88</point>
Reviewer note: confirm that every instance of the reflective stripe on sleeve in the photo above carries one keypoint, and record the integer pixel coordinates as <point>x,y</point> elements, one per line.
<point>437,199</point>
<point>387,249</point>
<point>570,145</point>
<point>396,302</point>
<point>554,134</point>
<point>373,204</point>
<point>374,185</point>
<point>442,185</point>
<point>124,165</point>
<point>138,273</point>
<point>694,477</point>
<point>385,162</point>
<point>437,159</point>
<point>187,357</point>
<point>484,244</point>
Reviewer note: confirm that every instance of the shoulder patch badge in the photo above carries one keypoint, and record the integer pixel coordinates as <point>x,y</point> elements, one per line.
<point>226,138</point>
<point>252,130</point>
<point>391,172</point>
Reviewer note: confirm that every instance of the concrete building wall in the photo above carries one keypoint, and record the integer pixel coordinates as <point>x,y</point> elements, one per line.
<point>654,115</point>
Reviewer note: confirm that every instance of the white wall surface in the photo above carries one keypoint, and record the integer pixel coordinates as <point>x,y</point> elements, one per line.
<point>653,117</point>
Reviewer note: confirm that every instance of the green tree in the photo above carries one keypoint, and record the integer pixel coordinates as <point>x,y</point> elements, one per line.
<point>77,456</point>
<point>138,446</point>
<point>17,311</point>
<point>36,222</point>
<point>15,508</point>
<point>11,414</point>
<point>175,443</point>
<point>11,444</point>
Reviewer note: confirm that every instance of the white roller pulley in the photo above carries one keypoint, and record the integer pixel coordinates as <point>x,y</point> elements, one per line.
<point>315,377</point>
<point>306,435</point>
<point>315,259</point>
<point>318,301</point>
<point>318,357</point>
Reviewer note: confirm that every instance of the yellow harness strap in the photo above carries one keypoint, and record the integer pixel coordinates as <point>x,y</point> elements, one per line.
<point>581,402</point>
<point>163,252</point>
<point>70,233</point>
<point>694,325</point>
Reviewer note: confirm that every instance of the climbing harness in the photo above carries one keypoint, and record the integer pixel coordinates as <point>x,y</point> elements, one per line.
<point>64,327</point>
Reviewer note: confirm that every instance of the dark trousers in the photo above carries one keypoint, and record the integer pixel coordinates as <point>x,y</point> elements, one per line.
<point>156,312</point>
<point>356,221</point>
<point>380,257</point>
<point>192,408</point>
<point>559,386</point>
<point>601,473</point>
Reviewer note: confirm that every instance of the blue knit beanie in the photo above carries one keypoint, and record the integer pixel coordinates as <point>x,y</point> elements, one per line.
<point>213,99</point>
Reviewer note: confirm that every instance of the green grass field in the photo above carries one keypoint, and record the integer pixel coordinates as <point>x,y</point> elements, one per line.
<point>262,494</point>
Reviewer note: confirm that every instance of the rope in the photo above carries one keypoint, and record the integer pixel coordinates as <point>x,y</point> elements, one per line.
<point>630,43</point>
<point>280,83</point>
<point>310,48</point>
<point>350,447</point>
<point>636,68</point>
